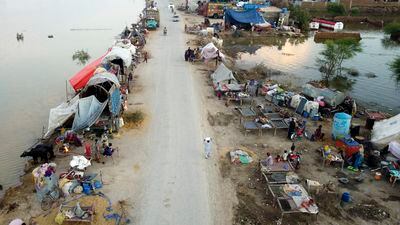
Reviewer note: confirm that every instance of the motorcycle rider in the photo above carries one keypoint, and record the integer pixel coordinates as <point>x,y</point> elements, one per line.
<point>165,30</point>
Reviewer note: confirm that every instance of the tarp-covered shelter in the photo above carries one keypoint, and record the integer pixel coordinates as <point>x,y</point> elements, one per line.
<point>88,111</point>
<point>60,114</point>
<point>331,97</point>
<point>210,52</point>
<point>385,131</point>
<point>243,19</point>
<point>225,77</point>
<point>103,77</point>
<point>80,79</point>
<point>119,53</point>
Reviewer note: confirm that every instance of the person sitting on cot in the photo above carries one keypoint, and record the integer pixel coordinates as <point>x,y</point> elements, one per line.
<point>108,151</point>
<point>278,158</point>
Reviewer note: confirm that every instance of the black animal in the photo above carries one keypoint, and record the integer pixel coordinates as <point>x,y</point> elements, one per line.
<point>42,151</point>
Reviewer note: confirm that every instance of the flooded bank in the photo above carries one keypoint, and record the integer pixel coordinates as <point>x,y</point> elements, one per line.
<point>34,71</point>
<point>375,85</point>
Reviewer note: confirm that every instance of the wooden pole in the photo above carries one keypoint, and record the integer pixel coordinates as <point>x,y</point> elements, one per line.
<point>66,90</point>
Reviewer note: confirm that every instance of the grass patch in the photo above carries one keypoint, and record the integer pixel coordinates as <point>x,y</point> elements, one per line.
<point>133,119</point>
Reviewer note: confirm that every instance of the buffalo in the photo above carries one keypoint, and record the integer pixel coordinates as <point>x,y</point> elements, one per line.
<point>42,151</point>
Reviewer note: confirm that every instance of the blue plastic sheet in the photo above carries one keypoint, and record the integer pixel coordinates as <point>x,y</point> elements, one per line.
<point>243,18</point>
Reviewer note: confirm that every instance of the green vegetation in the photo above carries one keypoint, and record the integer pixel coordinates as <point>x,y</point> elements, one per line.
<point>336,9</point>
<point>81,56</point>
<point>395,67</point>
<point>333,55</point>
<point>393,29</point>
<point>354,11</point>
<point>301,17</point>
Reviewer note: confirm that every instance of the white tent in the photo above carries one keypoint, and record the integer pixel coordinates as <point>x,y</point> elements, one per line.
<point>223,75</point>
<point>386,131</point>
<point>210,52</point>
<point>103,77</point>
<point>60,114</point>
<point>88,111</point>
<point>119,53</point>
<point>126,44</point>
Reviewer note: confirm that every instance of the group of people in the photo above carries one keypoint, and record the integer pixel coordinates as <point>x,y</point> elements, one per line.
<point>190,54</point>
<point>298,128</point>
<point>101,148</point>
<point>288,155</point>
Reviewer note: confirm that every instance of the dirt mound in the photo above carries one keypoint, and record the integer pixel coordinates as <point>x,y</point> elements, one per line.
<point>219,119</point>
<point>370,210</point>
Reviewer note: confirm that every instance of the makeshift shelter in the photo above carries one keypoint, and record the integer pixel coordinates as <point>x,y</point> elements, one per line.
<point>385,131</point>
<point>60,114</point>
<point>118,53</point>
<point>331,97</point>
<point>103,77</point>
<point>225,78</point>
<point>210,52</point>
<point>88,111</point>
<point>80,79</point>
<point>243,19</point>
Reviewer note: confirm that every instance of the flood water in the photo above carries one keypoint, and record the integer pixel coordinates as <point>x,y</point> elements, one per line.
<point>33,72</point>
<point>297,59</point>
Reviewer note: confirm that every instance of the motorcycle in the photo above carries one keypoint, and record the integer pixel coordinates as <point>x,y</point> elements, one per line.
<point>165,31</point>
<point>294,159</point>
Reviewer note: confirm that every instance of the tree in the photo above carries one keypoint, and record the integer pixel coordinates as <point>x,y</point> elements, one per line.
<point>81,56</point>
<point>395,67</point>
<point>333,55</point>
<point>393,29</point>
<point>336,9</point>
<point>301,17</point>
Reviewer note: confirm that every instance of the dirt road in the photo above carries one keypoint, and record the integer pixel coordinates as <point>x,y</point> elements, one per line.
<point>168,177</point>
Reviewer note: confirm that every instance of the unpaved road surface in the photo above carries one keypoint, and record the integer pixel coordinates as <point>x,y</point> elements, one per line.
<point>163,170</point>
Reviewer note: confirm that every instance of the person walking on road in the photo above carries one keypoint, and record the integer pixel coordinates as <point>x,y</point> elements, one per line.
<point>207,147</point>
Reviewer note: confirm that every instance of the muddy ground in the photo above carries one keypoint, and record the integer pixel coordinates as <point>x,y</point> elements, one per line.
<point>374,202</point>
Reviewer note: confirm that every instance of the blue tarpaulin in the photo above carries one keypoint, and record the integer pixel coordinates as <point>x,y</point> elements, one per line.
<point>243,18</point>
<point>115,100</point>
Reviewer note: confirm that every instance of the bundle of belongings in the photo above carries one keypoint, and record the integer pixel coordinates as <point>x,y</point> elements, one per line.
<point>45,180</point>
<point>240,156</point>
<point>74,214</point>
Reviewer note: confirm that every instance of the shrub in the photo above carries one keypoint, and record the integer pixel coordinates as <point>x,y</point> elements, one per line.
<point>336,9</point>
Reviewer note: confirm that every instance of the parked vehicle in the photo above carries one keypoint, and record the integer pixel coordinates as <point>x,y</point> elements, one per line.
<point>152,18</point>
<point>216,10</point>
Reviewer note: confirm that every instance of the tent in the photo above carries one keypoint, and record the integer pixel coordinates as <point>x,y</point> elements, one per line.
<point>210,52</point>
<point>331,97</point>
<point>119,53</point>
<point>79,80</point>
<point>243,18</point>
<point>225,77</point>
<point>103,77</point>
<point>385,131</point>
<point>126,44</point>
<point>60,114</point>
<point>223,74</point>
<point>88,111</point>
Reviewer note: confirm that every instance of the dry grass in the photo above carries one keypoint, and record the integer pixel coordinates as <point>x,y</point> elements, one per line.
<point>133,119</point>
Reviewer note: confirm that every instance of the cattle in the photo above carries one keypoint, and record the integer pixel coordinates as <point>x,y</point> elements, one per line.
<point>42,151</point>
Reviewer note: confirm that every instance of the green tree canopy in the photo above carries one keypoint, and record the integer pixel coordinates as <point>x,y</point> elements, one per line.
<point>301,17</point>
<point>333,55</point>
<point>336,9</point>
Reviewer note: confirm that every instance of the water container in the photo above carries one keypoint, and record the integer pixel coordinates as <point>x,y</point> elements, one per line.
<point>305,114</point>
<point>341,125</point>
<point>98,184</point>
<point>346,197</point>
<point>87,188</point>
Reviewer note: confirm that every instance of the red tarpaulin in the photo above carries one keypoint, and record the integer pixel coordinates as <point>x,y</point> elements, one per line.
<point>80,79</point>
